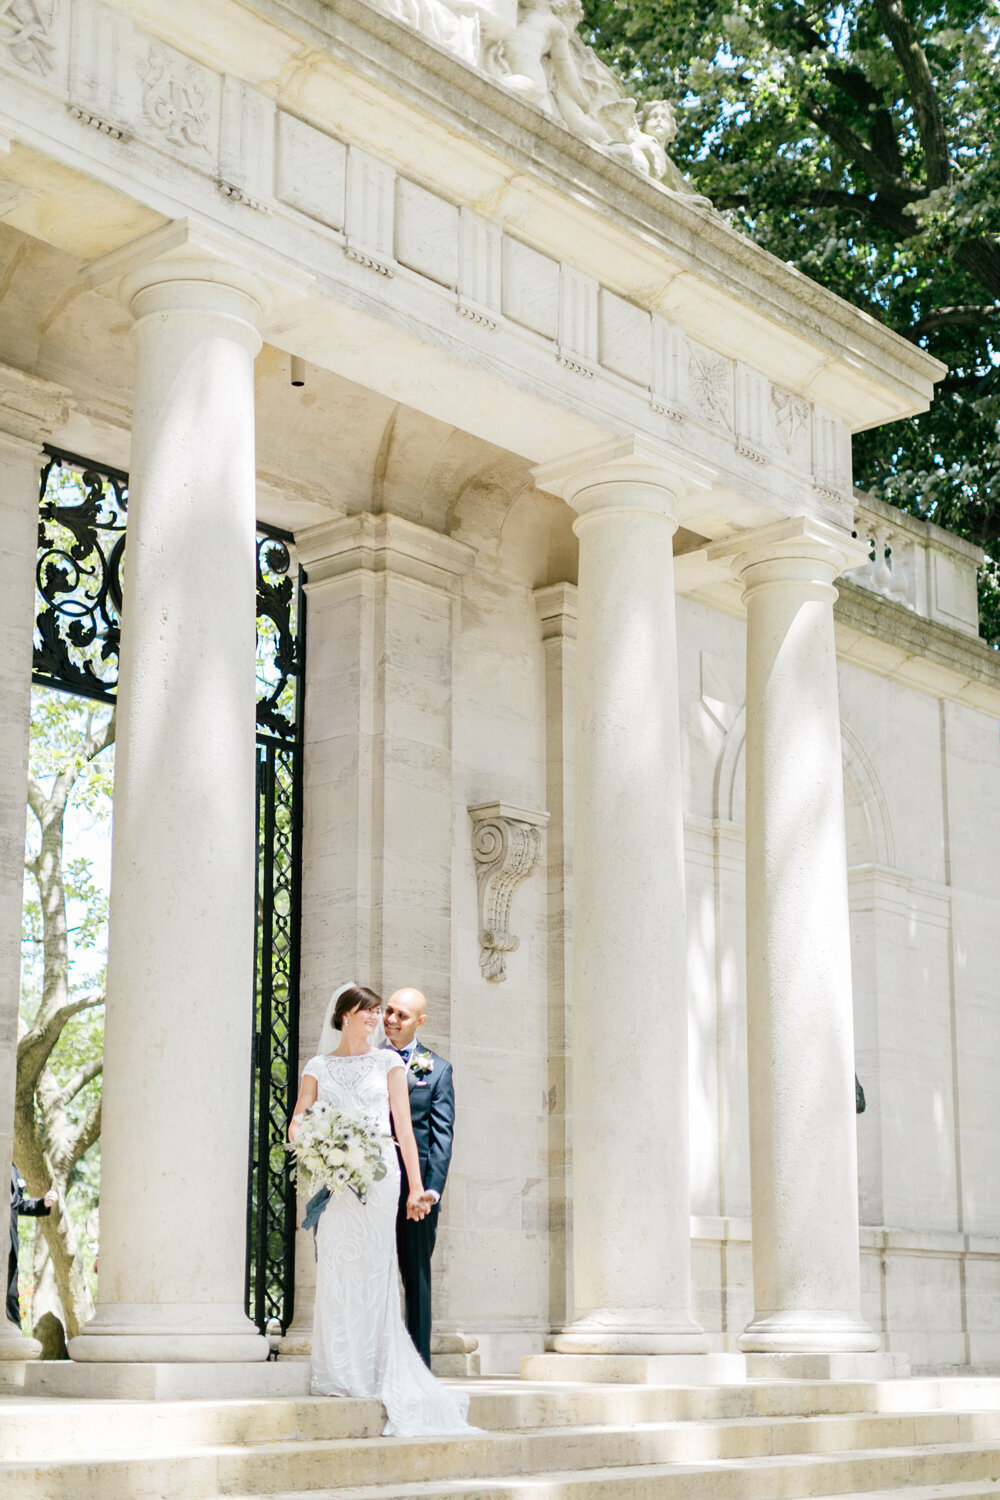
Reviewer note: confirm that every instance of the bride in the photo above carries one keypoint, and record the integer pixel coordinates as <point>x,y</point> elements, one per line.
<point>360,1346</point>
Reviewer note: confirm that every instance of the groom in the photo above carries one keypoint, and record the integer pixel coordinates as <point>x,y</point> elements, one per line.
<point>432,1108</point>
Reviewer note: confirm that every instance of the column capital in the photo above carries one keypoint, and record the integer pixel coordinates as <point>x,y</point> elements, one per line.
<point>800,549</point>
<point>183,252</point>
<point>659,476</point>
<point>29,406</point>
<point>382,544</point>
<point>557,611</point>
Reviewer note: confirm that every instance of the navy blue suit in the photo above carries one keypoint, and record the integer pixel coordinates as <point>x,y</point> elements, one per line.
<point>432,1109</point>
<point>19,1204</point>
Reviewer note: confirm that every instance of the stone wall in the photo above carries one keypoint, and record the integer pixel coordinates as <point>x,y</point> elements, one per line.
<point>921,782</point>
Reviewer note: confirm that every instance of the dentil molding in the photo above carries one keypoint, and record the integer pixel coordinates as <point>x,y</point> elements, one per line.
<point>506,843</point>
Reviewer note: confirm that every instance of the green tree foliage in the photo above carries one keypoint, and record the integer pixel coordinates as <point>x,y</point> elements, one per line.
<point>61,1031</point>
<point>856,141</point>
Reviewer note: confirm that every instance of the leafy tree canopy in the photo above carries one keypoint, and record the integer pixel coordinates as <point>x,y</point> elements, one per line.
<point>855,141</point>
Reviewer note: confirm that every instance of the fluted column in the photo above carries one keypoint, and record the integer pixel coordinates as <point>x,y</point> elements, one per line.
<point>631,1201</point>
<point>803,1166</point>
<point>180,960</point>
<point>29,408</point>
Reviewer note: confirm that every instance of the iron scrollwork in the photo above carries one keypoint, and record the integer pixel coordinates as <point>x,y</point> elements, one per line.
<point>277,648</point>
<point>81,543</point>
<point>271,1204</point>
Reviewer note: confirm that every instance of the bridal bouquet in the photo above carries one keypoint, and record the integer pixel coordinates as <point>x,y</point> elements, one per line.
<point>339,1153</point>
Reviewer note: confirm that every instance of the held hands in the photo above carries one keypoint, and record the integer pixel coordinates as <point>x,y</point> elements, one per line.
<point>419,1205</point>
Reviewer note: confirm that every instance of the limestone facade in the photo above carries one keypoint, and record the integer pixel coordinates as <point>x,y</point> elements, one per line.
<point>564,440</point>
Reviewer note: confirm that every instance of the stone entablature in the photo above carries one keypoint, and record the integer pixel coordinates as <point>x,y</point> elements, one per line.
<point>391,247</point>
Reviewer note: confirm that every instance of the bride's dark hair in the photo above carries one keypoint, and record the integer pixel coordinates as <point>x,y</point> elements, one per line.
<point>357,997</point>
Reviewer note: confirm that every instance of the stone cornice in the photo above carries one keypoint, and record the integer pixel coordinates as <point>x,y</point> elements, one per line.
<point>889,639</point>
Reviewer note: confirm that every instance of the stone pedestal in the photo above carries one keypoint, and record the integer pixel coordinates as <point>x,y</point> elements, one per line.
<point>631,1210</point>
<point>175,1381</point>
<point>180,961</point>
<point>803,1165</point>
<point>29,408</point>
<point>636,1369</point>
<point>874,1366</point>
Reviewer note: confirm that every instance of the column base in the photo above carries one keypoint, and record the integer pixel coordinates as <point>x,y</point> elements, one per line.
<point>167,1382</point>
<point>630,1333</point>
<point>636,1369</point>
<point>138,1334</point>
<point>808,1333</point>
<point>454,1356</point>
<point>296,1344</point>
<point>15,1348</point>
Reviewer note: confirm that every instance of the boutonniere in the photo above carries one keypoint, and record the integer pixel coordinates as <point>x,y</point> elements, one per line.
<point>421,1064</point>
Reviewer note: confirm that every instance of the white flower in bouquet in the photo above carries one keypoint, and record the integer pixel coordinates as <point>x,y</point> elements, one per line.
<point>337,1152</point>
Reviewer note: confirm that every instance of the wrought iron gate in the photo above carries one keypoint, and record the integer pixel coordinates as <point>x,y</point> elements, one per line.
<point>280,684</point>
<point>81,547</point>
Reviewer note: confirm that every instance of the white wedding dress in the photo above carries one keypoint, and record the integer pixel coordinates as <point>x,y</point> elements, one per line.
<point>360,1346</point>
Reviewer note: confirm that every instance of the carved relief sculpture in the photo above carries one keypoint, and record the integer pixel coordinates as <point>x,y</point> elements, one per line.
<point>791,415</point>
<point>174,102</point>
<point>533,49</point>
<point>26,31</point>
<point>506,843</point>
<point>711,379</point>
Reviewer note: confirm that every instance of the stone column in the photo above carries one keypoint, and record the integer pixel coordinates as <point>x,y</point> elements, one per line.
<point>180,961</point>
<point>631,1200</point>
<point>803,1154</point>
<point>29,409</point>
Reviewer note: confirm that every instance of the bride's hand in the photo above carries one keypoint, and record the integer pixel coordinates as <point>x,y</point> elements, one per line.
<point>417,1206</point>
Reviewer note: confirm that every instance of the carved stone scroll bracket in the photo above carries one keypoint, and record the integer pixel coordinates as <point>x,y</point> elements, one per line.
<point>506,843</point>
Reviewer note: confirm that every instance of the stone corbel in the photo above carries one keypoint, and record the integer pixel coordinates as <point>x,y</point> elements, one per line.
<point>506,843</point>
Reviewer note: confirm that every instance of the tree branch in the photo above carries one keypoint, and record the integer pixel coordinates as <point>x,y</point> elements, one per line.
<point>981,258</point>
<point>956,317</point>
<point>87,1134</point>
<point>35,1046</point>
<point>36,798</point>
<point>86,750</point>
<point>79,1081</point>
<point>913,60</point>
<point>861,154</point>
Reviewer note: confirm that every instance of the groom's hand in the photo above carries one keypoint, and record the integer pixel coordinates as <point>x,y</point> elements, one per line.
<point>419,1205</point>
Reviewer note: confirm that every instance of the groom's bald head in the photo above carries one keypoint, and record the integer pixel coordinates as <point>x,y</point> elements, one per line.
<point>405,1011</point>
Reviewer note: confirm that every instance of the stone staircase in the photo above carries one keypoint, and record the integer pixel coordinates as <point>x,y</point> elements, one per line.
<point>927,1439</point>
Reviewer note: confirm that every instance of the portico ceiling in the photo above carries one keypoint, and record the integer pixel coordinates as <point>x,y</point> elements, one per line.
<point>332,446</point>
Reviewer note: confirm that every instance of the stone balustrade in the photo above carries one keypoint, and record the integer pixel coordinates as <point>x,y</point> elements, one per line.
<point>918,565</point>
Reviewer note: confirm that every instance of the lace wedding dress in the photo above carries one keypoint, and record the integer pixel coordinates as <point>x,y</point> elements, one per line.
<point>360,1346</point>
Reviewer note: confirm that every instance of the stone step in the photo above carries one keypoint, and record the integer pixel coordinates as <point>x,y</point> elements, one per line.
<point>934,1447</point>
<point>65,1429</point>
<point>956,1473</point>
